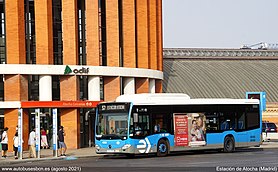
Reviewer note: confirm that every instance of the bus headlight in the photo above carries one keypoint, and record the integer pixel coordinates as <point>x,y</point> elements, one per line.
<point>126,146</point>
<point>97,147</point>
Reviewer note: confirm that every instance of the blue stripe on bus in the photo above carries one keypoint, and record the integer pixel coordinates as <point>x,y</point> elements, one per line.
<point>211,138</point>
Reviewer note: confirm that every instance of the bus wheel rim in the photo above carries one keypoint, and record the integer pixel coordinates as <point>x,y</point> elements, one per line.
<point>228,144</point>
<point>162,148</point>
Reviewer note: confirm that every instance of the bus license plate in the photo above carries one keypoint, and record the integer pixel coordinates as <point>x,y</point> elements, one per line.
<point>110,151</point>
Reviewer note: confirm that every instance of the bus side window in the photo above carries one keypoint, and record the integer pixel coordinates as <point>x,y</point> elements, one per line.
<point>227,121</point>
<point>212,122</point>
<point>240,124</point>
<point>224,125</point>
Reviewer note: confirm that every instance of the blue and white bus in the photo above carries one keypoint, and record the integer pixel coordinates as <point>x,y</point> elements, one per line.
<point>165,123</point>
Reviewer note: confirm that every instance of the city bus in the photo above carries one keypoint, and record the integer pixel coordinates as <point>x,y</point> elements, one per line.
<point>163,123</point>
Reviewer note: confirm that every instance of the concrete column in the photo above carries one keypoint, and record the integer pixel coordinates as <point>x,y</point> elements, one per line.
<point>69,88</point>
<point>16,88</point>
<point>151,85</point>
<point>45,88</point>
<point>152,33</point>
<point>94,88</point>
<point>159,36</point>
<point>142,37</point>
<point>25,128</point>
<point>112,32</point>
<point>70,120</point>
<point>128,26</point>
<point>158,86</point>
<point>70,32</point>
<point>11,121</point>
<point>44,32</point>
<point>141,85</point>
<point>15,32</point>
<point>92,33</point>
<point>129,85</point>
<point>112,88</point>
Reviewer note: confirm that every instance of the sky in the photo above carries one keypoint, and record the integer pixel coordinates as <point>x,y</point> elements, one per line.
<point>219,23</point>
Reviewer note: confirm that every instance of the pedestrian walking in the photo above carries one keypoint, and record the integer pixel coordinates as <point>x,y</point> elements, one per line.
<point>4,142</point>
<point>62,144</point>
<point>32,144</point>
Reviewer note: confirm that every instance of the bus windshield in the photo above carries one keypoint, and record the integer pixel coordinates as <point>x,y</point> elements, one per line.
<point>112,122</point>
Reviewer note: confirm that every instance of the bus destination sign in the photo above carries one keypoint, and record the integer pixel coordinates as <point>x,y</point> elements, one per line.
<point>113,108</point>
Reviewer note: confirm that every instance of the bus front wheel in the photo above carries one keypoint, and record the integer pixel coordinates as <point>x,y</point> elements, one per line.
<point>229,144</point>
<point>162,148</point>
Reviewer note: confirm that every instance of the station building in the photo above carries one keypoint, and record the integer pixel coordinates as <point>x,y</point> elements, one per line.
<point>223,73</point>
<point>70,55</point>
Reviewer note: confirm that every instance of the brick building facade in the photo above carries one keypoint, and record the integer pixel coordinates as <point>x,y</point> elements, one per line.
<point>111,47</point>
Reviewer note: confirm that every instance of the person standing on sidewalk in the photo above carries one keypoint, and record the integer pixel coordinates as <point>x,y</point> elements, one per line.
<point>4,142</point>
<point>0,140</point>
<point>44,143</point>
<point>15,145</point>
<point>32,144</point>
<point>62,144</point>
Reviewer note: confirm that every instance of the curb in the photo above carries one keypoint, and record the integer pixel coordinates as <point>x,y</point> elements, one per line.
<point>18,161</point>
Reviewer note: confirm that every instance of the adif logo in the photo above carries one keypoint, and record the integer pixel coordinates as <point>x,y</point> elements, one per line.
<point>68,70</point>
<point>145,146</point>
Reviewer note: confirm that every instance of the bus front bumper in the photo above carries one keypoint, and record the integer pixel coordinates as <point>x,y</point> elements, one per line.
<point>126,149</point>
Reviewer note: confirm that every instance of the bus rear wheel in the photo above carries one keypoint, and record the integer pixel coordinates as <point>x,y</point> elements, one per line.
<point>162,148</point>
<point>229,144</point>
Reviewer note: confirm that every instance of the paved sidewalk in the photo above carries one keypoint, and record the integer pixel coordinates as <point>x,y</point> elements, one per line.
<point>47,154</point>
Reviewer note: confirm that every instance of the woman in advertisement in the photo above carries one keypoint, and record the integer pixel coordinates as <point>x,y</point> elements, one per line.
<point>197,131</point>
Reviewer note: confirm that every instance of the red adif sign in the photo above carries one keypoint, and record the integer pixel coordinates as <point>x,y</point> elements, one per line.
<point>59,104</point>
<point>181,130</point>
